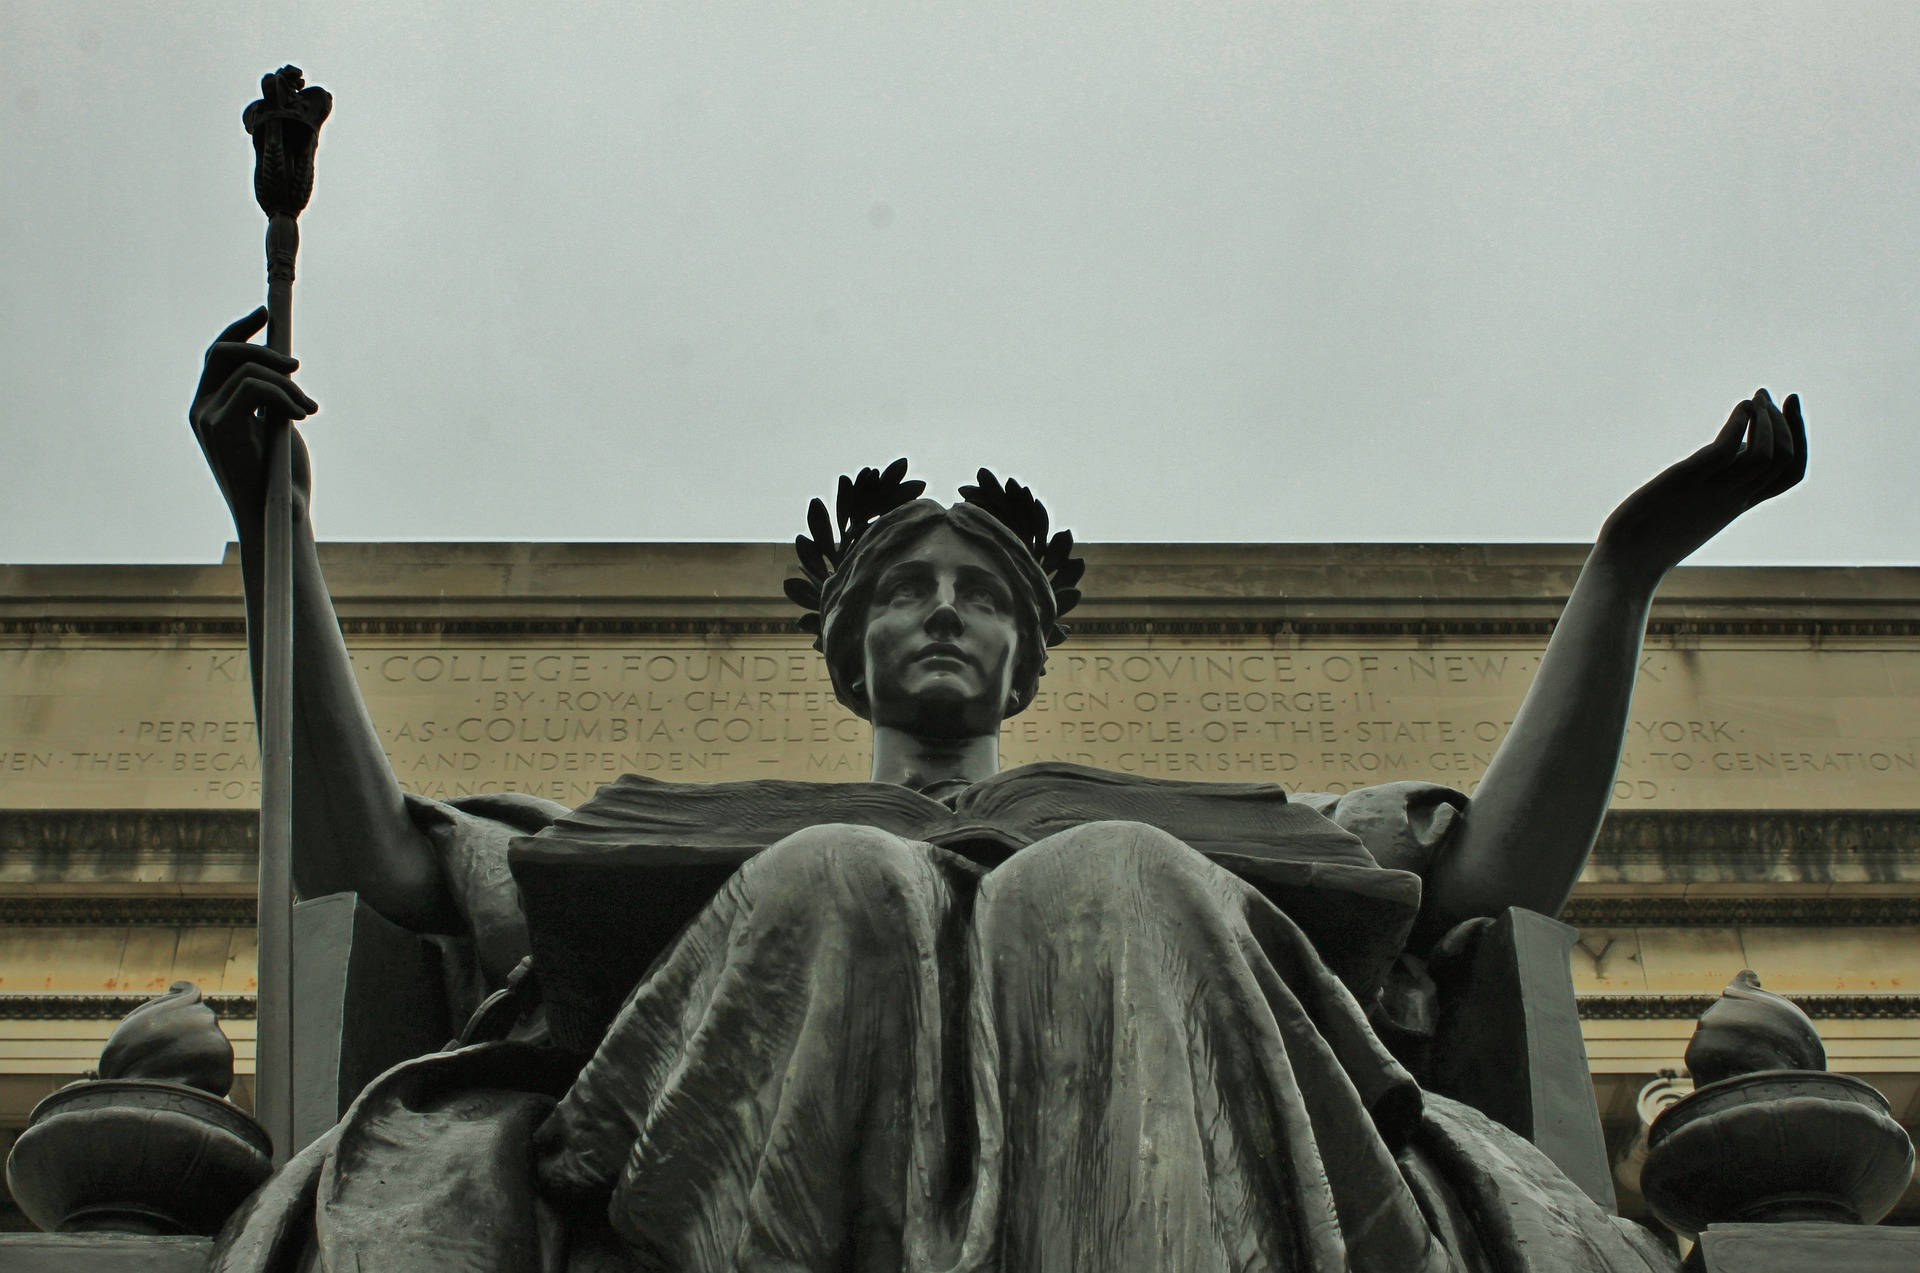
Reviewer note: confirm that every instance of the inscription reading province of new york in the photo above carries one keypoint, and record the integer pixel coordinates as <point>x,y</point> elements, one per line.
<point>1739,725</point>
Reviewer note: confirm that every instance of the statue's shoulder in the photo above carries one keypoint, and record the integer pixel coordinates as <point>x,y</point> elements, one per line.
<point>1403,824</point>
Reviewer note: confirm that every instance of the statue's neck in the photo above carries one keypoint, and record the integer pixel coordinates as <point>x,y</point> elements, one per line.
<point>909,760</point>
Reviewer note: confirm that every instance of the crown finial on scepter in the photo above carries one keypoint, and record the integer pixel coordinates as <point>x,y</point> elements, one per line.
<point>285,126</point>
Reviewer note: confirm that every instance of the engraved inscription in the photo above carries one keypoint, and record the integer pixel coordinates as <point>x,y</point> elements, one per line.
<point>1734,726</point>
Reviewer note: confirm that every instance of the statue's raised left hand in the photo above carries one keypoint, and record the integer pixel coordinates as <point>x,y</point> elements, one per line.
<point>1761,452</point>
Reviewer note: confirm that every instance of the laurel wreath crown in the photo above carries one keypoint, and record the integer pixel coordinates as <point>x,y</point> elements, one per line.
<point>865,499</point>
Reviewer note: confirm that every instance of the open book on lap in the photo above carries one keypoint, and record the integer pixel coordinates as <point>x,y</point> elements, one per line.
<point>607,887</point>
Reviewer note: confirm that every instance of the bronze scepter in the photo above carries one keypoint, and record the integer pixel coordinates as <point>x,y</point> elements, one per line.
<point>285,127</point>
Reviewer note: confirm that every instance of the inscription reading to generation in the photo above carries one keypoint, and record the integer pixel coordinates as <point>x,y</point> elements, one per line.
<point>1733,727</point>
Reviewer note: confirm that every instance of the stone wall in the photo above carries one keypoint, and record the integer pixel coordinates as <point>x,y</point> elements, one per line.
<point>1767,808</point>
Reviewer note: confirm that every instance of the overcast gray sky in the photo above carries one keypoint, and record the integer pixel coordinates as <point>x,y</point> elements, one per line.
<point>1194,271</point>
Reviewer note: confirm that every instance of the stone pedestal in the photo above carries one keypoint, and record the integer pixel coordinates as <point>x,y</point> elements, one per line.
<point>102,1253</point>
<point>1800,1247</point>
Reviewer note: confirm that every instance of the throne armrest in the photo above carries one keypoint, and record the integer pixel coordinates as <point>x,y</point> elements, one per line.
<point>367,994</point>
<point>1508,1043</point>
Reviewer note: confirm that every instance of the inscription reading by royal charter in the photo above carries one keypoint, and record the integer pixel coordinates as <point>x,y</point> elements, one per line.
<point>1732,727</point>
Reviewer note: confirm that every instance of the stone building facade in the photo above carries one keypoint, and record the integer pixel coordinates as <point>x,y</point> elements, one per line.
<point>1766,815</point>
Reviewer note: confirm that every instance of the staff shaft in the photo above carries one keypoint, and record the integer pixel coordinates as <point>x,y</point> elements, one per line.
<point>273,1065</point>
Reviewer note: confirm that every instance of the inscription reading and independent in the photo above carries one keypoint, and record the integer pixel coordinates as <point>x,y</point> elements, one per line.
<point>1713,727</point>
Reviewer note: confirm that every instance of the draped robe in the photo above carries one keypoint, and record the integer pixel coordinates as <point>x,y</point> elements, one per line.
<point>867,1052</point>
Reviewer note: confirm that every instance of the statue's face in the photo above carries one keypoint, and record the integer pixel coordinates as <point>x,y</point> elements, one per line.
<point>941,638</point>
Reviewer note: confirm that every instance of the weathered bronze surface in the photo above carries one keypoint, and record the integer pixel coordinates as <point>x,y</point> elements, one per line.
<point>1768,1135</point>
<point>148,1147</point>
<point>935,623</point>
<point>1749,1029</point>
<point>174,1038</point>
<point>929,1019</point>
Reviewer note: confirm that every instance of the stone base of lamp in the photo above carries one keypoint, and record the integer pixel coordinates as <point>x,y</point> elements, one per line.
<point>136,1156</point>
<point>1776,1146</point>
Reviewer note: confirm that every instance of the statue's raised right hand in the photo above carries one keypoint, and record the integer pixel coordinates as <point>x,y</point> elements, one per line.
<point>239,382</point>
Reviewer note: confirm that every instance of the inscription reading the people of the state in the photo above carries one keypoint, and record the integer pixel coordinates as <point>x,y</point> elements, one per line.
<point>1712,727</point>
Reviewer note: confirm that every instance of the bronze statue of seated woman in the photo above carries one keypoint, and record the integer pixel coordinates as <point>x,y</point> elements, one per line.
<point>952,1019</point>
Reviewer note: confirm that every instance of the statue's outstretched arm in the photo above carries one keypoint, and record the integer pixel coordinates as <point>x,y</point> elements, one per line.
<point>351,826</point>
<point>1534,815</point>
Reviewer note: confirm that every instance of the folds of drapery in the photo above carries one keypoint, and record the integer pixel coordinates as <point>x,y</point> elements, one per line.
<point>1107,1053</point>
<point>868,1053</point>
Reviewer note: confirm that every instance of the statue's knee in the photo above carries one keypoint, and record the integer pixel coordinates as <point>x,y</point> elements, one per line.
<point>838,871</point>
<point>1097,865</point>
<point>1101,844</point>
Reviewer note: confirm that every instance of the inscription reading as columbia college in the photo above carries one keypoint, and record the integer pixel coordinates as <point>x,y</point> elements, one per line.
<point>1720,728</point>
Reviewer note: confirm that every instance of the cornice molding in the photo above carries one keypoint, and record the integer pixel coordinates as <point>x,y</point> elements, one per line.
<point>1590,912</point>
<point>1798,911</point>
<point>1829,1007</point>
<point>1266,626</point>
<point>1656,911</point>
<point>108,1007</point>
<point>26,834</point>
<point>1740,839</point>
<point>1831,910</point>
<point>124,912</point>
<point>1765,866</point>
<point>507,590</point>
